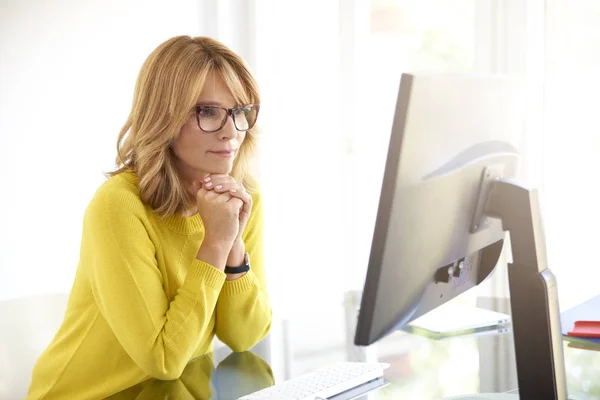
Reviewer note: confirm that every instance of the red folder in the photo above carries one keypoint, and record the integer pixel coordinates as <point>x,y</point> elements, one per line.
<point>586,329</point>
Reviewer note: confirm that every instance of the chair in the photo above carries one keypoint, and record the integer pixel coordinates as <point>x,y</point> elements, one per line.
<point>27,325</point>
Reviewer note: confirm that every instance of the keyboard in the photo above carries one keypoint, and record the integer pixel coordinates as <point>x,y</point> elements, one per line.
<point>322,383</point>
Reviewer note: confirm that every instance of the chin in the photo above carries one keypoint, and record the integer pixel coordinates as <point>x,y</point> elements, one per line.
<point>219,169</point>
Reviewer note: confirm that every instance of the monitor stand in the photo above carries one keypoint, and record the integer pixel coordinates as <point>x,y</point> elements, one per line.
<point>453,319</point>
<point>533,294</point>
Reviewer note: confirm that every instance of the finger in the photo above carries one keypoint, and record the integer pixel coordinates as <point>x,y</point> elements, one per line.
<point>245,197</point>
<point>222,183</point>
<point>238,202</point>
<point>248,206</point>
<point>221,197</point>
<point>198,189</point>
<point>205,194</point>
<point>232,186</point>
<point>227,182</point>
<point>216,177</point>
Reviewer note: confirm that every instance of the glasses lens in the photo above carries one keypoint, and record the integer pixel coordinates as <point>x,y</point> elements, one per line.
<point>211,118</point>
<point>245,117</point>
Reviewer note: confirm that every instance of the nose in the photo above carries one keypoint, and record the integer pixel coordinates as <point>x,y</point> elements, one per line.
<point>228,130</point>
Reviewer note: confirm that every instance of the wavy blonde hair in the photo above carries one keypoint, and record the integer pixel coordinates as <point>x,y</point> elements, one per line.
<point>166,91</point>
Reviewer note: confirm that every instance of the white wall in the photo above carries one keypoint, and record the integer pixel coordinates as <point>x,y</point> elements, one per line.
<point>298,70</point>
<point>571,147</point>
<point>67,72</point>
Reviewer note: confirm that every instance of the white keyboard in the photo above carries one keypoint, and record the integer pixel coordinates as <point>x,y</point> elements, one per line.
<point>322,383</point>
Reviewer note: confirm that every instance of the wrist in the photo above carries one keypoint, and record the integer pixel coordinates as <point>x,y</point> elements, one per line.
<point>221,246</point>
<point>214,253</point>
<point>236,253</point>
<point>236,258</point>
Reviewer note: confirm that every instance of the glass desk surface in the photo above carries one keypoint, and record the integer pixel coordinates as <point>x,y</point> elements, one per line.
<point>421,366</point>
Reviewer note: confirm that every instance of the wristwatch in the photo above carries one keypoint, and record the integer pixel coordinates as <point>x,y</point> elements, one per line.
<point>245,267</point>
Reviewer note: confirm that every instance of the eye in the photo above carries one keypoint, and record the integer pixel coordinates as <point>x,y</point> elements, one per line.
<point>207,112</point>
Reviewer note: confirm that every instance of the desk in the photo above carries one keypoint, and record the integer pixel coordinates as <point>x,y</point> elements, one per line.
<point>421,368</point>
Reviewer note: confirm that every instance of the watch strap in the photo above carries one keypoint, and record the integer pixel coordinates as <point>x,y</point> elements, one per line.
<point>237,270</point>
<point>245,267</point>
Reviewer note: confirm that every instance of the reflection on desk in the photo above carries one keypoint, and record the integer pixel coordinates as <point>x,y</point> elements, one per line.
<point>237,375</point>
<point>421,368</point>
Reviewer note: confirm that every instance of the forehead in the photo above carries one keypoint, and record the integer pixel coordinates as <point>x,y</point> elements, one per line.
<point>216,90</point>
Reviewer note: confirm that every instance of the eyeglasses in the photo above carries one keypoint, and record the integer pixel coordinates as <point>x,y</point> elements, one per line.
<point>213,118</point>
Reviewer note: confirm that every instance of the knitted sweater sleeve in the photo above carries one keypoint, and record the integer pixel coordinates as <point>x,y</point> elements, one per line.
<point>243,314</point>
<point>158,334</point>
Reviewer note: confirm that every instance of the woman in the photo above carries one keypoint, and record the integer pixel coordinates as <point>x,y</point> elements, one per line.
<point>164,259</point>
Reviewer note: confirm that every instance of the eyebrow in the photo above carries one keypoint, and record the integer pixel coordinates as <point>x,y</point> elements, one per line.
<point>214,103</point>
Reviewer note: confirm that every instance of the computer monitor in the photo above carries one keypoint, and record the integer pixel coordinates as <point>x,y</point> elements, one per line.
<point>450,197</point>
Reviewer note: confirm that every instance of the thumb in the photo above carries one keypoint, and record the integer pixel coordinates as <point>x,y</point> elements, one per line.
<point>196,186</point>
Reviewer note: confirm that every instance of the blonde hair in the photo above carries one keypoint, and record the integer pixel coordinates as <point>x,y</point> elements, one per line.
<point>166,92</point>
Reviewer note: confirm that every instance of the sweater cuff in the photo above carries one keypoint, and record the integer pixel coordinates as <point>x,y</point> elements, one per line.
<point>205,273</point>
<point>240,285</point>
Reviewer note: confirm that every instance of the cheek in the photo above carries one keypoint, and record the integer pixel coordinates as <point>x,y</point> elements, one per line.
<point>192,136</point>
<point>190,142</point>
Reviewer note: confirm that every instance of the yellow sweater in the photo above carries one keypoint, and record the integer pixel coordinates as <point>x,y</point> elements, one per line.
<point>141,305</point>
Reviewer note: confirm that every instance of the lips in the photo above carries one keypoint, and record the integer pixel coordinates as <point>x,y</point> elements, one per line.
<point>224,153</point>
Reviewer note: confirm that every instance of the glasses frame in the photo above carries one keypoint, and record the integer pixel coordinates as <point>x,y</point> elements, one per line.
<point>229,113</point>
